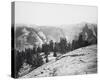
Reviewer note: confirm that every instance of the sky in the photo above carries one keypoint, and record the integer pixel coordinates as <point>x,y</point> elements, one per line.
<point>43,14</point>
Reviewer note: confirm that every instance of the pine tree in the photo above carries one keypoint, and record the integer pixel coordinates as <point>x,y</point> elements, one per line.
<point>51,45</point>
<point>63,45</point>
<point>55,50</point>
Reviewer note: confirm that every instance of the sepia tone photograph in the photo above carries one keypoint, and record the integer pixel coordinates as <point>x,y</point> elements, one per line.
<point>54,39</point>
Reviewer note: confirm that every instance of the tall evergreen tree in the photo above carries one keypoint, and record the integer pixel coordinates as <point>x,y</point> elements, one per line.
<point>63,45</point>
<point>51,45</point>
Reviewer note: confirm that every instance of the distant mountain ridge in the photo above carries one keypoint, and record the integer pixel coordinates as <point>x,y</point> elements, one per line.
<point>28,36</point>
<point>53,33</point>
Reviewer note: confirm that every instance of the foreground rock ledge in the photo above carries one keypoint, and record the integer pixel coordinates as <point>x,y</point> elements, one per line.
<point>79,61</point>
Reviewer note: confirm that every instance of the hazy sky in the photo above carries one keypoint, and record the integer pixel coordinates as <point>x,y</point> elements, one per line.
<point>53,14</point>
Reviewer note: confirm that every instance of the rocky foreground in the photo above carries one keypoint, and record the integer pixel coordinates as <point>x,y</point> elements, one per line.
<point>79,61</point>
